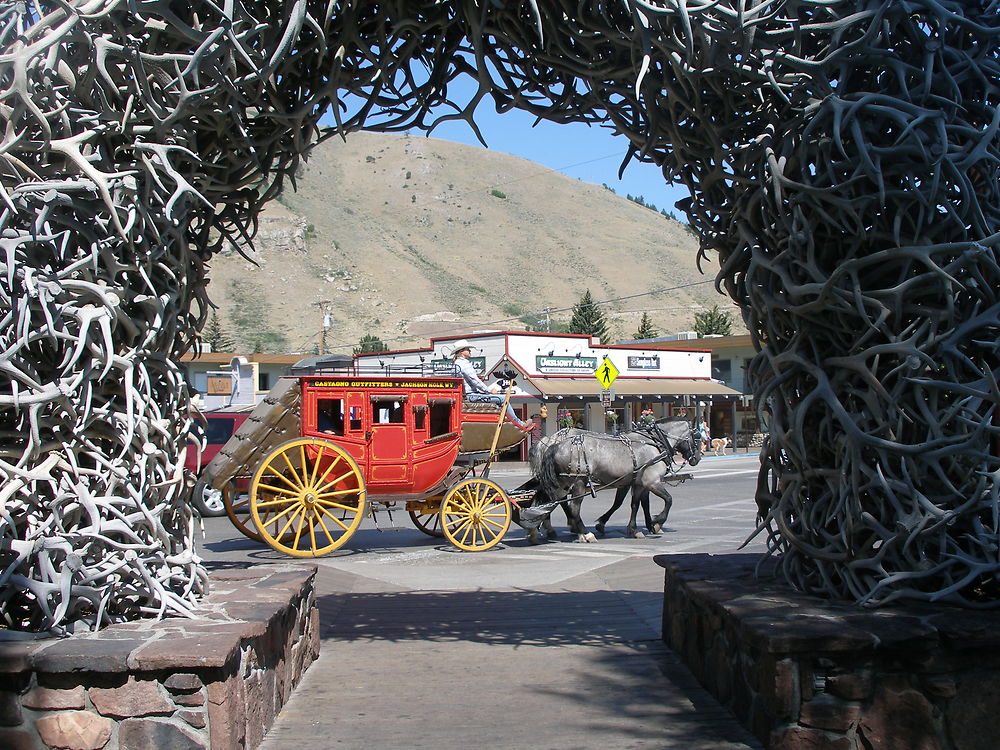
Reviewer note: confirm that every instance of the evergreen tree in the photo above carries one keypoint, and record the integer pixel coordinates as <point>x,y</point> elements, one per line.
<point>646,329</point>
<point>588,318</point>
<point>216,336</point>
<point>369,344</point>
<point>713,321</point>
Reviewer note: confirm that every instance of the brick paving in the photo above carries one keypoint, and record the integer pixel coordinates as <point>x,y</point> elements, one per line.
<point>554,647</point>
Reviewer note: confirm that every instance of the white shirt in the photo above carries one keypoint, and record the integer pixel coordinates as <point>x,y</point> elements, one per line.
<point>465,370</point>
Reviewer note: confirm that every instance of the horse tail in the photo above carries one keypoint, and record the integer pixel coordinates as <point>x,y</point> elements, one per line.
<point>548,472</point>
<point>535,456</point>
<point>540,448</point>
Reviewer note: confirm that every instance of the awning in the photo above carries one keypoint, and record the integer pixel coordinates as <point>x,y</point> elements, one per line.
<point>649,387</point>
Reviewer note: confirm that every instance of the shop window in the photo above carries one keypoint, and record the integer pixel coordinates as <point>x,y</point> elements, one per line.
<point>330,415</point>
<point>722,369</point>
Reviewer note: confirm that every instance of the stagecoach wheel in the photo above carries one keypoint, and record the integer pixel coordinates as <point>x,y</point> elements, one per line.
<point>237,506</point>
<point>427,518</point>
<point>475,514</point>
<point>307,498</point>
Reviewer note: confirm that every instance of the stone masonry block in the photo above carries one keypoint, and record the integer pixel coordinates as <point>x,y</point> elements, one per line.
<point>17,739</point>
<point>972,715</point>
<point>51,699</point>
<point>852,686</point>
<point>779,688</point>
<point>74,730</point>
<point>194,718</point>
<point>183,683</point>
<point>827,712</point>
<point>190,699</point>
<point>899,720</point>
<point>801,738</point>
<point>135,698</point>
<point>226,714</point>
<point>159,734</point>
<point>10,709</point>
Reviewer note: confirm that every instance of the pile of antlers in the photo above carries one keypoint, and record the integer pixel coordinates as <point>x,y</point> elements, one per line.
<point>842,159</point>
<point>133,149</point>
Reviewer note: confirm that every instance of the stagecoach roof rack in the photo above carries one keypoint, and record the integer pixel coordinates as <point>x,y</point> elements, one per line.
<point>343,365</point>
<point>323,363</point>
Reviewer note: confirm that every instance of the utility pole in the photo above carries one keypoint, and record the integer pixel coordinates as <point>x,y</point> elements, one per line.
<point>325,323</point>
<point>548,321</point>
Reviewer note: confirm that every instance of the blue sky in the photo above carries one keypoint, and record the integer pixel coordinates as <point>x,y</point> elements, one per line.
<point>592,154</point>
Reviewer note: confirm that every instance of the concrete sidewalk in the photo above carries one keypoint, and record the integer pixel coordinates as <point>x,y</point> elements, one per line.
<point>571,666</point>
<point>524,647</point>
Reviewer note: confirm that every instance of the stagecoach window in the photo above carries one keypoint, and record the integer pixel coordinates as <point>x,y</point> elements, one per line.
<point>386,411</point>
<point>355,414</point>
<point>419,417</point>
<point>330,415</point>
<point>440,415</point>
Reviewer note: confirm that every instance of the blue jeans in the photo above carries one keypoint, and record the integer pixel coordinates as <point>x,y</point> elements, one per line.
<point>494,398</point>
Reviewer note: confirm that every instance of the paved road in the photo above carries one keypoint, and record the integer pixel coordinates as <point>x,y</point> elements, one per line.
<point>552,646</point>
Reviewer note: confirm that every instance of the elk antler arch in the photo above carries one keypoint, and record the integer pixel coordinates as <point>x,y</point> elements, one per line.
<point>842,162</point>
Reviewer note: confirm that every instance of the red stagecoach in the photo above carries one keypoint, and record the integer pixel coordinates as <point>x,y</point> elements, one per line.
<point>322,451</point>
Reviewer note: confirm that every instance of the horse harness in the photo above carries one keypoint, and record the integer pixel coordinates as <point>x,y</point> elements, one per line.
<point>582,467</point>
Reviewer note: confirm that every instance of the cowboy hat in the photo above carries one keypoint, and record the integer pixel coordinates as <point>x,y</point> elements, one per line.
<point>459,346</point>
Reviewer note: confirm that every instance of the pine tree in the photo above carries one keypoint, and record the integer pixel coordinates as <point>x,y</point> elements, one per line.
<point>713,321</point>
<point>216,336</point>
<point>646,329</point>
<point>369,344</point>
<point>588,318</point>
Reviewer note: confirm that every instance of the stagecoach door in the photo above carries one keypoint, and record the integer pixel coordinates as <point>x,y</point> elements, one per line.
<point>390,446</point>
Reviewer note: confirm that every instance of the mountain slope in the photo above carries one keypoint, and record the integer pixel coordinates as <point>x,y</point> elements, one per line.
<point>402,237</point>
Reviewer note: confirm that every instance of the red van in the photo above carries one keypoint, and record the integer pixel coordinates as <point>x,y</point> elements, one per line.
<point>220,427</point>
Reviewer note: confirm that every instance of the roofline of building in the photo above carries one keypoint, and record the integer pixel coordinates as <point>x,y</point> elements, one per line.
<point>227,357</point>
<point>709,343</point>
<point>507,334</point>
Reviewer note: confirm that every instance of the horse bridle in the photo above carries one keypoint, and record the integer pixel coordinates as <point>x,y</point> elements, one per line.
<point>663,443</point>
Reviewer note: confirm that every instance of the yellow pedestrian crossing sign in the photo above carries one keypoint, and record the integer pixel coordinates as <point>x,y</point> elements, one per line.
<point>606,373</point>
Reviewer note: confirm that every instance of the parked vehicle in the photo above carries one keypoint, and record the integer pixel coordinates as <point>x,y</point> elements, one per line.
<point>220,426</point>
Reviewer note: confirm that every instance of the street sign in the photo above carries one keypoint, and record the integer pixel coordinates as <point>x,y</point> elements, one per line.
<point>606,372</point>
<point>606,398</point>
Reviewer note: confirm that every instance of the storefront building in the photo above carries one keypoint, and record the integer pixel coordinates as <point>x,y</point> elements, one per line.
<point>555,376</point>
<point>731,355</point>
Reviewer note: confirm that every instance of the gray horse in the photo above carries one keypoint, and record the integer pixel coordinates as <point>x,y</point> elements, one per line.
<point>570,463</point>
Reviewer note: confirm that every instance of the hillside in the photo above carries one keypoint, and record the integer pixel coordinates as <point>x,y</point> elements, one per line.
<point>406,236</point>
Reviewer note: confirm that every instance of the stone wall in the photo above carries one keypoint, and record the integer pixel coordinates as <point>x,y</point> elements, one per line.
<point>801,672</point>
<point>215,681</point>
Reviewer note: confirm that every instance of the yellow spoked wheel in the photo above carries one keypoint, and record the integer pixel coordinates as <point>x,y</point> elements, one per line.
<point>426,516</point>
<point>237,506</point>
<point>475,514</point>
<point>307,498</point>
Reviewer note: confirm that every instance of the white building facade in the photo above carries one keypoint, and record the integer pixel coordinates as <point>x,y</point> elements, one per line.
<point>555,376</point>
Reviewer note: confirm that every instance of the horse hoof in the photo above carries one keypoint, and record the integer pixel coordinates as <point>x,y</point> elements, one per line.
<point>589,538</point>
<point>656,529</point>
<point>638,535</point>
<point>533,538</point>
